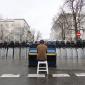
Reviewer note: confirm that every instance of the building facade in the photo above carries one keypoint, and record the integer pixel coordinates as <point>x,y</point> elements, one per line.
<point>15,30</point>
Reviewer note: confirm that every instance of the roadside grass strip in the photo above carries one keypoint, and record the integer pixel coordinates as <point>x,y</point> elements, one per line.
<point>80,74</point>
<point>36,75</point>
<point>10,75</point>
<point>60,75</point>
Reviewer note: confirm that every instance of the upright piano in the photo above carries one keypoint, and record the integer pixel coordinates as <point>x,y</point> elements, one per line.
<point>51,55</point>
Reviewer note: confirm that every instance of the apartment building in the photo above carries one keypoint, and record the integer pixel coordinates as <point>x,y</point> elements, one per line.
<point>15,30</point>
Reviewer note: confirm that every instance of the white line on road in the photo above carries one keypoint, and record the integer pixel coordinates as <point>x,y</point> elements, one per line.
<point>10,75</point>
<point>60,75</point>
<point>35,75</point>
<point>80,74</point>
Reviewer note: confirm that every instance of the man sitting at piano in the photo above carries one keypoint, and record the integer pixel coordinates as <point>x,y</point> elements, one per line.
<point>41,51</point>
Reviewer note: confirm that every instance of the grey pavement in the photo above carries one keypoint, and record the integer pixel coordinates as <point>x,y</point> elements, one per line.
<point>67,64</point>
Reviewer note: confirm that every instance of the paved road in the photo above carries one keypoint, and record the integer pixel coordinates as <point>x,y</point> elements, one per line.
<point>18,73</point>
<point>69,71</point>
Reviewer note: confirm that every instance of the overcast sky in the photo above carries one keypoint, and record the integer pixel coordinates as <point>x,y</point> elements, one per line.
<point>38,13</point>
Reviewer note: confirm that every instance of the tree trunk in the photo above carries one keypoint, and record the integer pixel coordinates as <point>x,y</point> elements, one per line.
<point>75,26</point>
<point>63,33</point>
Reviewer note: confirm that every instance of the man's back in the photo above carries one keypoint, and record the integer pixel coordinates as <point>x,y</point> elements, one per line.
<point>42,50</point>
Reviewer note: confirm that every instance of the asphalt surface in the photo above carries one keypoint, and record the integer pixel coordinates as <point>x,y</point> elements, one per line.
<point>69,71</point>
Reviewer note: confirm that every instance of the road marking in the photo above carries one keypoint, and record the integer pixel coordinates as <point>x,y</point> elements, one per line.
<point>60,75</point>
<point>80,74</point>
<point>35,75</point>
<point>10,75</point>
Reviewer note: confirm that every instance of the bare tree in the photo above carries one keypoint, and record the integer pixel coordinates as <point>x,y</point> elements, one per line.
<point>38,35</point>
<point>32,34</point>
<point>29,36</point>
<point>1,32</point>
<point>70,19</point>
<point>76,7</point>
<point>63,23</point>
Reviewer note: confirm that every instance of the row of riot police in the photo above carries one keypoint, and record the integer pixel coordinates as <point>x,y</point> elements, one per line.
<point>72,44</point>
<point>12,44</point>
<point>57,44</point>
